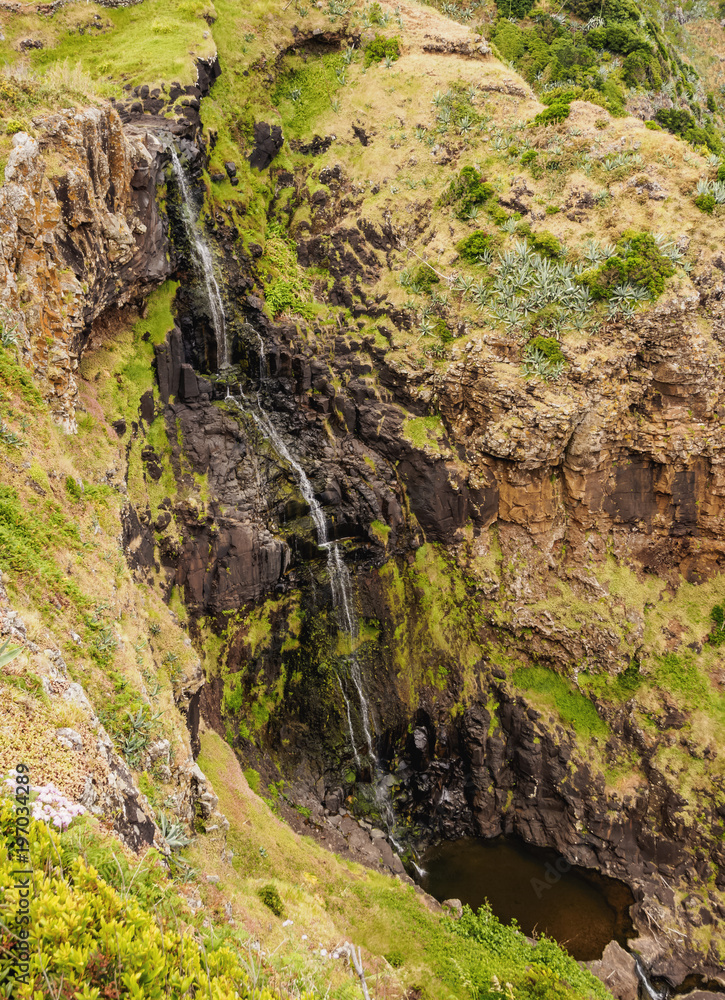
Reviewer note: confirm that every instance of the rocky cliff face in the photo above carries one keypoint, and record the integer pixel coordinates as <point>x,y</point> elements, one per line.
<point>81,231</point>
<point>479,512</point>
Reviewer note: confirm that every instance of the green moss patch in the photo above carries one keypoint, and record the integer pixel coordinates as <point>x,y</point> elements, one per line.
<point>574,708</point>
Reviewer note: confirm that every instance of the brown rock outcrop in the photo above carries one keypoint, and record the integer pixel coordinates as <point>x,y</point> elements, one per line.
<point>81,231</point>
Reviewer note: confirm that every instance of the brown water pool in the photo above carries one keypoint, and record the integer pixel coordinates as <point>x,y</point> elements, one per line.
<point>580,909</point>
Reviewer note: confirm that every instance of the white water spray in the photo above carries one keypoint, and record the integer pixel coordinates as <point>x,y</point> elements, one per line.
<point>204,259</point>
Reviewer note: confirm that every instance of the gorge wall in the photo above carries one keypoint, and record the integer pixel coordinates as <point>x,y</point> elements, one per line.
<point>535,562</point>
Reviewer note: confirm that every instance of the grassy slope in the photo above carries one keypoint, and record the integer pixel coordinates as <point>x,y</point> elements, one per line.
<point>60,504</point>
<point>331,901</point>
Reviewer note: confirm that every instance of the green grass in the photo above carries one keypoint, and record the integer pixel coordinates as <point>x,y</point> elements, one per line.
<point>316,82</point>
<point>424,432</point>
<point>151,43</point>
<point>574,708</point>
<point>32,533</point>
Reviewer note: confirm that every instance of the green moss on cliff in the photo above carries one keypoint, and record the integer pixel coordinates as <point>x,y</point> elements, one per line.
<point>575,709</point>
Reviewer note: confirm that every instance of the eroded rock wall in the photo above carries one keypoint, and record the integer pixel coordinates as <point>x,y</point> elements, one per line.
<point>81,231</point>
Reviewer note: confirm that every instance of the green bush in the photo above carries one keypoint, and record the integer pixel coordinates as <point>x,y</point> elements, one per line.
<point>88,939</point>
<point>543,243</point>
<point>653,126</point>
<point>549,347</point>
<point>557,112</point>
<point>706,203</point>
<point>424,277</point>
<point>617,38</point>
<point>514,8</point>
<point>509,40</point>
<point>641,69</point>
<point>717,632</point>
<point>681,123</point>
<point>272,899</point>
<point>381,47</point>
<point>471,247</point>
<point>13,125</point>
<point>638,262</point>
<point>529,157</point>
<point>468,189</point>
<point>721,172</point>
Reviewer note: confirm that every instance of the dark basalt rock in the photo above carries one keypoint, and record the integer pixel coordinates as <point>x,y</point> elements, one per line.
<point>268,141</point>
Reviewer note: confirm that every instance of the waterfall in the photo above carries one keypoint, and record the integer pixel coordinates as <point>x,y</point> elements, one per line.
<point>339,577</point>
<point>649,989</point>
<point>203,258</point>
<point>340,582</point>
<point>342,599</point>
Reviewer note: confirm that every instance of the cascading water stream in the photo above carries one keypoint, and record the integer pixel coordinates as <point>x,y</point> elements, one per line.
<point>341,587</point>
<point>649,989</point>
<point>204,259</point>
<point>340,582</point>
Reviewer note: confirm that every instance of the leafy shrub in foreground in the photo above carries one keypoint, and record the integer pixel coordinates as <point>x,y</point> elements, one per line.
<point>93,942</point>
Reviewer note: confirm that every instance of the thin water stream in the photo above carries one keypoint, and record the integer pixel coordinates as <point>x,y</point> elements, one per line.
<point>204,259</point>
<point>340,582</point>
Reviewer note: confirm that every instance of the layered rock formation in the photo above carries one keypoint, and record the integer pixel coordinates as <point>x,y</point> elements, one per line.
<point>81,231</point>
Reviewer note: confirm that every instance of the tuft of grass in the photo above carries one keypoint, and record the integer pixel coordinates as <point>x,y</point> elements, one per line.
<point>424,432</point>
<point>574,708</point>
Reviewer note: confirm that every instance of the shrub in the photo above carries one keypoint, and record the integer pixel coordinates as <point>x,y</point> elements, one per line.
<point>381,47</point>
<point>721,172</point>
<point>653,126</point>
<point>471,247</point>
<point>706,203</point>
<point>543,243</point>
<point>87,939</point>
<point>13,125</point>
<point>681,123</point>
<point>271,898</point>
<point>529,157</point>
<point>549,347</point>
<point>469,189</point>
<point>638,262</point>
<point>641,69</point>
<point>509,40</point>
<point>395,958</point>
<point>424,277</point>
<point>557,112</point>
<point>617,38</point>
<point>514,8</point>
<point>717,632</point>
